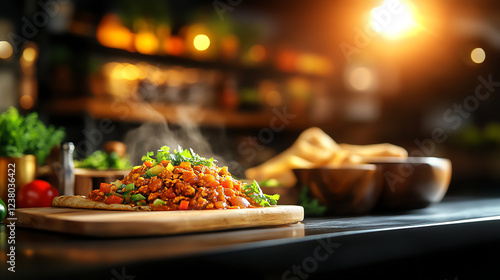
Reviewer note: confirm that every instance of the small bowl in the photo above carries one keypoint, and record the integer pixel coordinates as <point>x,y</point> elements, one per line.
<point>411,183</point>
<point>344,190</point>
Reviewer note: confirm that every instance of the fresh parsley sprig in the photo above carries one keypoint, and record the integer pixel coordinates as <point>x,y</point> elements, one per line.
<point>254,192</point>
<point>179,155</point>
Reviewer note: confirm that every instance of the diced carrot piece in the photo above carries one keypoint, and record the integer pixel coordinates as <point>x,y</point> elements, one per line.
<point>183,205</point>
<point>148,163</point>
<point>227,184</point>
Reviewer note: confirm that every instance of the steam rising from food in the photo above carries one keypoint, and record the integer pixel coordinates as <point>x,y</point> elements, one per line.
<point>185,133</point>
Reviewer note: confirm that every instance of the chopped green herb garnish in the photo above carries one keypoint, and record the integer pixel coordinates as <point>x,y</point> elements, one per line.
<point>254,192</point>
<point>179,155</point>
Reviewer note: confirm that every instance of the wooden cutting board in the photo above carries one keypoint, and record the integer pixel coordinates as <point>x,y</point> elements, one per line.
<point>108,223</point>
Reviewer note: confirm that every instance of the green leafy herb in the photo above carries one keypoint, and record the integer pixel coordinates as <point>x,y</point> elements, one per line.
<point>179,155</point>
<point>312,207</point>
<point>27,135</point>
<point>254,192</point>
<point>102,160</point>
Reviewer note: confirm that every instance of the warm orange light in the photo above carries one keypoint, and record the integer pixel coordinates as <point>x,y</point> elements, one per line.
<point>230,45</point>
<point>174,45</point>
<point>26,102</point>
<point>111,33</point>
<point>313,64</point>
<point>478,55</point>
<point>257,53</point>
<point>5,50</point>
<point>201,42</point>
<point>361,78</point>
<point>393,19</point>
<point>286,61</point>
<point>29,54</point>
<point>146,42</point>
<point>130,72</point>
<point>273,98</point>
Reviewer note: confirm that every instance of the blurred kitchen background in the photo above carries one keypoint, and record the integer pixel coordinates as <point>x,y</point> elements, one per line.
<point>243,78</point>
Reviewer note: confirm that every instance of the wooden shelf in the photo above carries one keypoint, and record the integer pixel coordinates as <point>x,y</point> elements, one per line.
<point>130,111</point>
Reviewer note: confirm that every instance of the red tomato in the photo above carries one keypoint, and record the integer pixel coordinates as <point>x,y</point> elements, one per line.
<point>36,194</point>
<point>113,199</point>
<point>105,188</point>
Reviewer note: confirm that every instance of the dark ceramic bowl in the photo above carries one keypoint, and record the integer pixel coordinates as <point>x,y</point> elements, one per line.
<point>345,190</point>
<point>410,183</point>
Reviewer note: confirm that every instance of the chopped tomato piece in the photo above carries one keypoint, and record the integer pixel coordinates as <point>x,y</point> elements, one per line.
<point>165,162</point>
<point>105,188</point>
<point>227,184</point>
<point>113,199</point>
<point>184,205</point>
<point>185,165</point>
<point>148,163</point>
<point>237,186</point>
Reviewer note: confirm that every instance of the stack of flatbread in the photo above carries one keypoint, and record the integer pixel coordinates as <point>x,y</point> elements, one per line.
<point>314,148</point>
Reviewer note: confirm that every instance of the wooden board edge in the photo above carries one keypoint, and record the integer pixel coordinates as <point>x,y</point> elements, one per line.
<point>76,227</point>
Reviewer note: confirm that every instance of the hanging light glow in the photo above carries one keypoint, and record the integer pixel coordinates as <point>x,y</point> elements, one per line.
<point>393,19</point>
<point>201,42</point>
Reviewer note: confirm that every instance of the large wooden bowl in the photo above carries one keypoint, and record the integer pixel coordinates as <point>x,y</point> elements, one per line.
<point>411,183</point>
<point>345,190</point>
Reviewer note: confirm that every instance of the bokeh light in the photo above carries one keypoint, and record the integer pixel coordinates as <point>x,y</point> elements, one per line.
<point>361,78</point>
<point>393,19</point>
<point>478,55</point>
<point>5,50</point>
<point>146,42</point>
<point>257,53</point>
<point>30,54</point>
<point>26,102</point>
<point>201,42</point>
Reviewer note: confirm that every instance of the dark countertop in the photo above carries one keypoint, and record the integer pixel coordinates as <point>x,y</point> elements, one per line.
<point>445,240</point>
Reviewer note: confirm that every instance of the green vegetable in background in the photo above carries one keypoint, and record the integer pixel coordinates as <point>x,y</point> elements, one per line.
<point>27,136</point>
<point>3,210</point>
<point>311,205</point>
<point>102,160</point>
<point>270,183</point>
